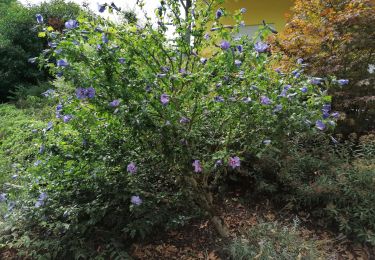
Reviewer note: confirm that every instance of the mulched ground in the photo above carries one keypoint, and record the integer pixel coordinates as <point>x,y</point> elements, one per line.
<point>199,240</point>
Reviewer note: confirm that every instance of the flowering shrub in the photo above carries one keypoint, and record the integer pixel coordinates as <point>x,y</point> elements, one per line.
<point>144,122</point>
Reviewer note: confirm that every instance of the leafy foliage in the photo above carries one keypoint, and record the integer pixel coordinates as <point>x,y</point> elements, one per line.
<point>273,241</point>
<point>335,183</point>
<point>336,38</point>
<point>145,123</point>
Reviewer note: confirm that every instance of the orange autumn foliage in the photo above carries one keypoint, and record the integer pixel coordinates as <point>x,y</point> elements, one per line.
<point>336,37</point>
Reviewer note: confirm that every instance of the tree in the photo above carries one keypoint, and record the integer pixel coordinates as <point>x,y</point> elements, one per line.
<point>337,38</point>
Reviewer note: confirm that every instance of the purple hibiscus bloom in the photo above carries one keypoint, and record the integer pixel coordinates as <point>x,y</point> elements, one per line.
<point>42,149</point>
<point>81,93</point>
<point>121,60</point>
<point>131,168</point>
<point>343,82</point>
<point>237,63</point>
<point>3,197</point>
<point>264,100</point>
<point>224,45</point>
<point>41,200</point>
<point>335,115</point>
<point>304,89</point>
<point>164,99</point>
<point>261,47</point>
<point>136,200</point>
<point>234,162</point>
<point>316,81</point>
<point>114,103</point>
<point>320,125</point>
<point>184,120</point>
<point>278,108</point>
<point>246,100</point>
<point>90,92</point>
<point>218,163</point>
<point>267,142</point>
<point>104,38</point>
<point>39,18</point>
<point>71,24</point>
<point>67,118</point>
<point>219,13</point>
<point>197,166</point>
<point>62,63</point>
<point>101,8</point>
<point>203,60</point>
<point>219,99</point>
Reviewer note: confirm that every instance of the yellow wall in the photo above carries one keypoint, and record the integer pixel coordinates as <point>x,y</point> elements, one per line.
<point>272,11</point>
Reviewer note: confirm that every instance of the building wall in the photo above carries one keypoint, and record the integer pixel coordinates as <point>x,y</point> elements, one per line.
<point>272,11</point>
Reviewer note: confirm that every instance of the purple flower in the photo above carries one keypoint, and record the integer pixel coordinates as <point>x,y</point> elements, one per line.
<point>219,13</point>
<point>90,92</point>
<point>264,100</point>
<point>261,47</point>
<point>320,125</point>
<point>203,60</point>
<point>164,99</point>
<point>39,18</point>
<point>161,75</point>
<point>67,118</point>
<point>71,24</point>
<point>335,115</point>
<point>243,10</point>
<point>234,162</point>
<point>239,48</point>
<point>49,126</point>
<point>41,200</point>
<point>165,69</point>
<point>206,36</point>
<point>114,103</point>
<point>121,60</point>
<point>101,8</point>
<point>32,60</point>
<point>98,47</point>
<point>326,108</point>
<point>131,168</point>
<point>224,45</point>
<point>299,61</point>
<point>304,89</point>
<point>136,200</point>
<point>237,63</point>
<point>62,63</point>
<point>82,93</point>
<point>343,82</point>
<point>184,120</point>
<point>42,149</point>
<point>219,99</point>
<point>218,163</point>
<point>197,166</point>
<point>267,142</point>
<point>278,108</point>
<point>48,93</point>
<point>58,51</point>
<point>316,81</point>
<point>3,197</point>
<point>246,100</point>
<point>104,38</point>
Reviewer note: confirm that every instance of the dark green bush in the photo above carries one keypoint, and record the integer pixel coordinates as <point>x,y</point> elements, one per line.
<point>334,182</point>
<point>19,42</point>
